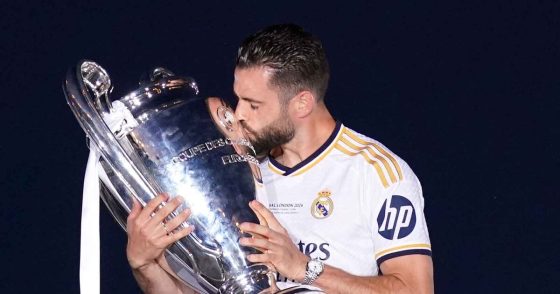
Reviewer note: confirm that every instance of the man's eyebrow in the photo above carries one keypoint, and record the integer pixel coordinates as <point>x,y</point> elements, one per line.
<point>248,99</point>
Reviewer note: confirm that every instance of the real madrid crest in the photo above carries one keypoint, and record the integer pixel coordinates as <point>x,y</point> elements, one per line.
<point>322,206</point>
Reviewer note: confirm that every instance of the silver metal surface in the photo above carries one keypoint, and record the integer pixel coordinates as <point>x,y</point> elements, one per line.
<point>183,145</point>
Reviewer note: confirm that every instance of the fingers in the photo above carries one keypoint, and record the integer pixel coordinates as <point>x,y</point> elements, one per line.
<point>163,212</point>
<point>264,239</point>
<point>261,218</point>
<point>257,207</point>
<point>135,210</point>
<point>260,246</point>
<point>258,258</point>
<point>268,256</point>
<point>177,235</point>
<point>258,243</point>
<point>150,229</point>
<point>264,215</point>
<point>151,219</point>
<point>255,229</point>
<point>146,213</point>
<point>175,222</point>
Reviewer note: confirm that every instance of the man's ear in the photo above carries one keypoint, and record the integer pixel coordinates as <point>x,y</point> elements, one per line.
<point>304,103</point>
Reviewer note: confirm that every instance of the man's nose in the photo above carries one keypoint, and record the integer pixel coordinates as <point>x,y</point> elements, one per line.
<point>239,113</point>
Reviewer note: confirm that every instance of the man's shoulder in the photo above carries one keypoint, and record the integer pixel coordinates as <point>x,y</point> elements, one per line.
<point>384,162</point>
<point>360,137</point>
<point>355,141</point>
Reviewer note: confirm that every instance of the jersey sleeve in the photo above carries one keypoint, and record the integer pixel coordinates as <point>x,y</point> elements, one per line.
<point>398,223</point>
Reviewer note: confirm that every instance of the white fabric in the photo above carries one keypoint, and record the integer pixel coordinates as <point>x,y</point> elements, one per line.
<point>350,179</point>
<point>120,121</point>
<point>89,243</point>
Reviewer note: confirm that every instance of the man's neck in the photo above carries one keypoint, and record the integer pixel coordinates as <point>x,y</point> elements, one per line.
<point>309,137</point>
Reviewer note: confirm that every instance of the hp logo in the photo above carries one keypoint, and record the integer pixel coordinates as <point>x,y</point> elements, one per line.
<point>396,219</point>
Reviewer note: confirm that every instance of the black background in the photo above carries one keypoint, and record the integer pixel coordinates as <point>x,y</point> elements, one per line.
<point>465,92</point>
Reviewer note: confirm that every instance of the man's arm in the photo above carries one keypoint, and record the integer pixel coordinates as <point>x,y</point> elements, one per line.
<point>405,274</point>
<point>148,237</point>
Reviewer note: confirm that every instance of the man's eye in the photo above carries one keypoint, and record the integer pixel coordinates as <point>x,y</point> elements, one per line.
<point>254,107</point>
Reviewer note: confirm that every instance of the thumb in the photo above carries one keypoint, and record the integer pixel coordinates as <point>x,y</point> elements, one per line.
<point>260,217</point>
<point>265,216</point>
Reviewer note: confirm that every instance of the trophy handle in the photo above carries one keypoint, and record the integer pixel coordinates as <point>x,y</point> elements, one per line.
<point>98,81</point>
<point>81,82</point>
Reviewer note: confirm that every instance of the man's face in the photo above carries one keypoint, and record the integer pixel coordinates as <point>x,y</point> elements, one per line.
<point>264,118</point>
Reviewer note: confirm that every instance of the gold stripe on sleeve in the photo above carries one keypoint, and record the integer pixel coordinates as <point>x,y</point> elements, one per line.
<point>399,248</point>
<point>372,153</point>
<point>378,148</point>
<point>369,160</point>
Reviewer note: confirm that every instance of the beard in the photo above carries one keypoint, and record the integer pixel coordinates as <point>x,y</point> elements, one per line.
<point>277,133</point>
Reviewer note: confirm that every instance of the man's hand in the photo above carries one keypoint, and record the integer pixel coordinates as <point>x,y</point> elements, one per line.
<point>276,246</point>
<point>149,234</point>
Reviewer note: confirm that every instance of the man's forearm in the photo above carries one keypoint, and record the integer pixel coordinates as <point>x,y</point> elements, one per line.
<point>407,274</point>
<point>153,279</point>
<point>334,280</point>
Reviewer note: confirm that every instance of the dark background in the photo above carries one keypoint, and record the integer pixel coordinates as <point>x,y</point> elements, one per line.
<point>465,92</point>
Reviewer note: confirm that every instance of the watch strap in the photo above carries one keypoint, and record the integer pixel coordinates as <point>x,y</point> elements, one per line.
<point>311,274</point>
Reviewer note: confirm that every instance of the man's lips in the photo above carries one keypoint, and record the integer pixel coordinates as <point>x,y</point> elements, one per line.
<point>246,129</point>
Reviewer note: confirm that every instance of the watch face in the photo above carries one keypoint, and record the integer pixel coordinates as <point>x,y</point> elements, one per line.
<point>315,265</point>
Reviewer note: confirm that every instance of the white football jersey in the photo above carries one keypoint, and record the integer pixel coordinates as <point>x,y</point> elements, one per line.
<point>353,203</point>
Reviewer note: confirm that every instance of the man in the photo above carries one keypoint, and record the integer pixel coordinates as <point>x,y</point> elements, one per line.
<point>342,209</point>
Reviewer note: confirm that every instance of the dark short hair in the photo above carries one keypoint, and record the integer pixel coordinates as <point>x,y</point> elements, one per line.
<point>296,57</point>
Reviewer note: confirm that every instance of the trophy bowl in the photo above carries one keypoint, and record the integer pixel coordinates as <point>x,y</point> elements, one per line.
<point>163,137</point>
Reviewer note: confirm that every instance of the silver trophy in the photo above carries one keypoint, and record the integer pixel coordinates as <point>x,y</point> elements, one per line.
<point>171,140</point>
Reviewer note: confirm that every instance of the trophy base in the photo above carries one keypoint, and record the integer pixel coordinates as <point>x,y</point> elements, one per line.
<point>257,279</point>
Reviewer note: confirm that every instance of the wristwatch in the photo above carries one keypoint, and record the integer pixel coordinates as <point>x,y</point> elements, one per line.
<point>314,269</point>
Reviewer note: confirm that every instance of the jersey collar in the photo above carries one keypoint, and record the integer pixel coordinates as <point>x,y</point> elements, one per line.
<point>310,161</point>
